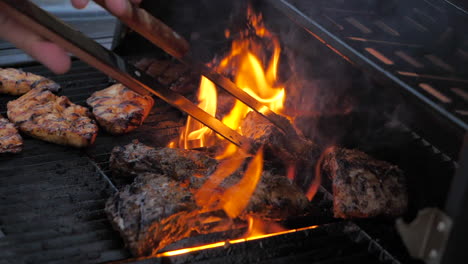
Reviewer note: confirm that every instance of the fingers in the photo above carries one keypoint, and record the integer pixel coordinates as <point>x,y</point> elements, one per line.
<point>49,54</point>
<point>80,4</point>
<point>118,7</point>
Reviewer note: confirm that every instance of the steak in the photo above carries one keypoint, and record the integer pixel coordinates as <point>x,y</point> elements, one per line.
<point>43,115</point>
<point>173,74</point>
<point>18,82</point>
<point>178,164</point>
<point>10,139</point>
<point>120,110</point>
<point>159,208</point>
<point>363,186</point>
<point>289,147</point>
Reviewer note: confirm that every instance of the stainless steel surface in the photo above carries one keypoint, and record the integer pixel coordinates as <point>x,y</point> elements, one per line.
<point>427,235</point>
<point>110,63</point>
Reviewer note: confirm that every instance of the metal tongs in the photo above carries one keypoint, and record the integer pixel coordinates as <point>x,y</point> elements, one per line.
<point>51,28</point>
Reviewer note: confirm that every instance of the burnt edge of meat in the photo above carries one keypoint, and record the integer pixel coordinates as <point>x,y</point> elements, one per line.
<point>363,186</point>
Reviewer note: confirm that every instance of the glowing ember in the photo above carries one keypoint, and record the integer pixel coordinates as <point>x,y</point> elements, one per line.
<point>230,242</point>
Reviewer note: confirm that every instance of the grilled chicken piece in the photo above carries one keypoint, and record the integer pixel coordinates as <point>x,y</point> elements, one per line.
<point>120,110</point>
<point>363,186</point>
<point>43,115</point>
<point>18,82</point>
<point>10,139</point>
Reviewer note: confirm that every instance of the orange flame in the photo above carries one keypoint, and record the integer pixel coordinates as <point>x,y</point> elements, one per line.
<point>253,62</point>
<point>196,134</point>
<point>237,197</point>
<point>244,62</point>
<point>230,242</point>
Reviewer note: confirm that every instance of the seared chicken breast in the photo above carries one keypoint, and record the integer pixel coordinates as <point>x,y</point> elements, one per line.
<point>120,110</point>
<point>18,82</point>
<point>10,139</point>
<point>44,115</point>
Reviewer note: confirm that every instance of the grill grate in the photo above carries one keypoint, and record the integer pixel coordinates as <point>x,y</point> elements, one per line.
<point>52,199</point>
<point>420,47</point>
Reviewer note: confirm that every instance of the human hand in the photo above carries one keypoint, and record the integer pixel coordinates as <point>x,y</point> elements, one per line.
<point>50,54</point>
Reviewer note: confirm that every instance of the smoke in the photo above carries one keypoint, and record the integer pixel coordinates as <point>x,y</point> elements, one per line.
<point>332,101</point>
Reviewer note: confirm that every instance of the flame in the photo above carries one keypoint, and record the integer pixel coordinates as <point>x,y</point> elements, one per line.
<point>245,63</point>
<point>230,242</point>
<point>253,64</point>
<point>237,197</point>
<point>196,134</point>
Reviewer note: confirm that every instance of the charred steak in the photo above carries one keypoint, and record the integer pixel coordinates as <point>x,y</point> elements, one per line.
<point>145,212</point>
<point>43,115</point>
<point>290,147</point>
<point>164,199</point>
<point>362,185</point>
<point>10,139</point>
<point>120,110</point>
<point>178,164</point>
<point>18,82</point>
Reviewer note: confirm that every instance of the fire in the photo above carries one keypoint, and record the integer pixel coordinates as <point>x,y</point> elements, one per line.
<point>245,63</point>
<point>236,198</point>
<point>194,130</point>
<point>230,242</point>
<point>253,64</point>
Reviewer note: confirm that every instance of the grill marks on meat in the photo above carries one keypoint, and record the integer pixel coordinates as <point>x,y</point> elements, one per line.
<point>159,207</point>
<point>43,115</point>
<point>119,110</point>
<point>18,82</point>
<point>178,164</point>
<point>10,139</point>
<point>362,185</point>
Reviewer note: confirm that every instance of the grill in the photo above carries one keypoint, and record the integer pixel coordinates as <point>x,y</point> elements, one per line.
<point>418,47</point>
<point>52,197</point>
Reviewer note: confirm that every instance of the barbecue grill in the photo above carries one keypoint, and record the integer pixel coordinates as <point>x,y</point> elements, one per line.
<point>391,82</point>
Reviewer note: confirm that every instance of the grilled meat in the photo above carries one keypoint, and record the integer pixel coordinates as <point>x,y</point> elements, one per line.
<point>120,110</point>
<point>291,147</point>
<point>142,211</point>
<point>158,208</point>
<point>179,164</point>
<point>18,82</point>
<point>43,115</point>
<point>173,74</point>
<point>10,139</point>
<point>362,185</point>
